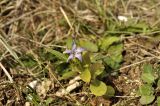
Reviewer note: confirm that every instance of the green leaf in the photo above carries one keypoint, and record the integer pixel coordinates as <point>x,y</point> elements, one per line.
<point>33,98</point>
<point>147,68</point>
<point>110,92</point>
<point>146,90</point>
<point>68,75</point>
<point>89,45</point>
<point>86,75</point>
<point>141,25</point>
<point>158,100</point>
<point>48,101</point>
<point>115,52</point>
<point>106,42</point>
<point>148,77</point>
<point>76,68</point>
<point>111,63</point>
<point>98,88</point>
<point>28,61</point>
<point>117,58</point>
<point>96,69</point>
<point>115,49</point>
<point>114,56</point>
<point>58,54</point>
<point>144,100</point>
<point>86,59</point>
<point>96,57</point>
<point>61,67</point>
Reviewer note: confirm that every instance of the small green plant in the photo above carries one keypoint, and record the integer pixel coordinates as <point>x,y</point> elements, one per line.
<point>89,70</point>
<point>151,86</point>
<point>113,48</point>
<point>91,61</point>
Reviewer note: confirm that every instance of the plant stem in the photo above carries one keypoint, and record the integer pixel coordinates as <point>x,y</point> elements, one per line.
<point>6,72</point>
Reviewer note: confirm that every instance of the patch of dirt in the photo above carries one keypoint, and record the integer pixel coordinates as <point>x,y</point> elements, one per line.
<point>138,51</point>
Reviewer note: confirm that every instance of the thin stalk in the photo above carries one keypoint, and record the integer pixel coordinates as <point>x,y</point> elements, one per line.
<point>6,72</point>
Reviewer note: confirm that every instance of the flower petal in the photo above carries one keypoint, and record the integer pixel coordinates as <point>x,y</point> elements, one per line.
<point>71,56</point>
<point>74,46</point>
<point>78,56</point>
<point>67,51</point>
<point>79,50</point>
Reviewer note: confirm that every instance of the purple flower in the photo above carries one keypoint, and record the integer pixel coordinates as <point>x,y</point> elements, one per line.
<point>75,52</point>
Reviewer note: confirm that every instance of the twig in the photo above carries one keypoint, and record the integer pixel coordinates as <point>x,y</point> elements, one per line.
<point>145,47</point>
<point>43,45</point>
<point>139,62</point>
<point>51,73</point>
<point>126,96</point>
<point>6,72</point>
<point>18,18</point>
<point>65,16</point>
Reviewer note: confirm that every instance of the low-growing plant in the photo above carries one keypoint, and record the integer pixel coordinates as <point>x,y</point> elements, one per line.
<point>151,86</point>
<point>91,62</point>
<point>88,70</point>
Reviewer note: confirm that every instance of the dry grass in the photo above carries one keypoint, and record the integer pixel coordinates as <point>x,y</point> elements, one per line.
<point>27,27</point>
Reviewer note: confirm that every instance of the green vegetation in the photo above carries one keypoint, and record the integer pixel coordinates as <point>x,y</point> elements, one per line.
<point>147,91</point>
<point>79,52</point>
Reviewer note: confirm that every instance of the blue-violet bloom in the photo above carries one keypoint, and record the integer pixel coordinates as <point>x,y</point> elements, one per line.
<point>75,52</point>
